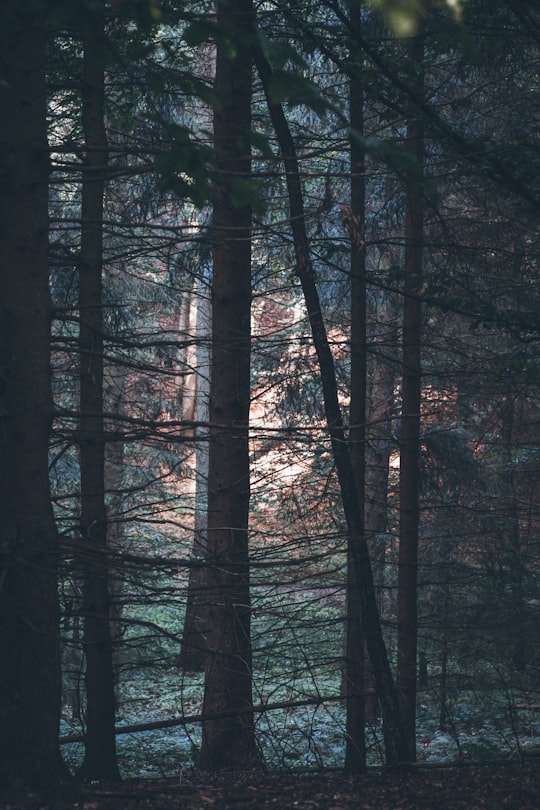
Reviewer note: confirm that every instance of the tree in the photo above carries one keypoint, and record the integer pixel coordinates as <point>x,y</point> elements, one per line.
<point>228,729</point>
<point>355,755</point>
<point>100,742</point>
<point>393,734</point>
<point>409,439</point>
<point>29,611</point>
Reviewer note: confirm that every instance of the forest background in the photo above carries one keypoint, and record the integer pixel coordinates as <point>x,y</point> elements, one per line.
<point>269,385</point>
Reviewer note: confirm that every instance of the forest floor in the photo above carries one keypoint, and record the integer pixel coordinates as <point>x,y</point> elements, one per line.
<point>494,787</point>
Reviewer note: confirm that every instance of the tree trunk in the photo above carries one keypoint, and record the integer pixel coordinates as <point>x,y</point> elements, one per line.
<point>30,681</point>
<point>100,743</point>
<point>114,392</point>
<point>409,478</point>
<point>229,742</point>
<point>192,653</point>
<point>355,749</point>
<point>446,618</point>
<point>394,742</point>
<point>380,412</point>
<point>511,534</point>
<point>187,389</point>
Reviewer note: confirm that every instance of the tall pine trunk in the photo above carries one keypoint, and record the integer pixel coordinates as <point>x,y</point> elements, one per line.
<point>411,382</point>
<point>228,732</point>
<point>355,748</point>
<point>29,612</point>
<point>100,742</point>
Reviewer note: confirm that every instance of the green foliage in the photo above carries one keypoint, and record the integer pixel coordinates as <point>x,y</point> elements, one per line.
<point>296,90</point>
<point>184,167</point>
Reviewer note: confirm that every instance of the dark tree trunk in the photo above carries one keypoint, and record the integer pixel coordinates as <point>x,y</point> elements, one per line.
<point>355,748</point>
<point>511,534</point>
<point>443,681</point>
<point>29,611</point>
<point>396,751</point>
<point>100,742</point>
<point>229,741</point>
<point>409,478</point>
<point>114,390</point>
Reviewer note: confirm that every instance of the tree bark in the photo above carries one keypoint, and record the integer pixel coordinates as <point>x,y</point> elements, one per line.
<point>114,392</point>
<point>355,748</point>
<point>100,744</point>
<point>29,611</point>
<point>511,533</point>
<point>381,376</point>
<point>411,382</point>
<point>229,742</point>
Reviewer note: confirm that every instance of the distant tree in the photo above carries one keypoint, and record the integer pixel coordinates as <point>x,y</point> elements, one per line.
<point>192,653</point>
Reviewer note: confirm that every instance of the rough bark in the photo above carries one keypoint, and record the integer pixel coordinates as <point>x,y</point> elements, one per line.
<point>229,742</point>
<point>29,611</point>
<point>511,533</point>
<point>114,393</point>
<point>411,382</point>
<point>187,388</point>
<point>100,744</point>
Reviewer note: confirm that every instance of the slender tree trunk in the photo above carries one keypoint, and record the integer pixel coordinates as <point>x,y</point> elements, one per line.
<point>229,742</point>
<point>192,654</point>
<point>380,412</point>
<point>443,687</point>
<point>355,749</point>
<point>100,744</point>
<point>394,742</point>
<point>114,391</point>
<point>188,381</point>
<point>409,478</point>
<point>29,611</point>
<point>510,523</point>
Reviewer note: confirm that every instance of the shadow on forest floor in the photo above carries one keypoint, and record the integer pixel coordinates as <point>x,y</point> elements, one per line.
<point>494,787</point>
